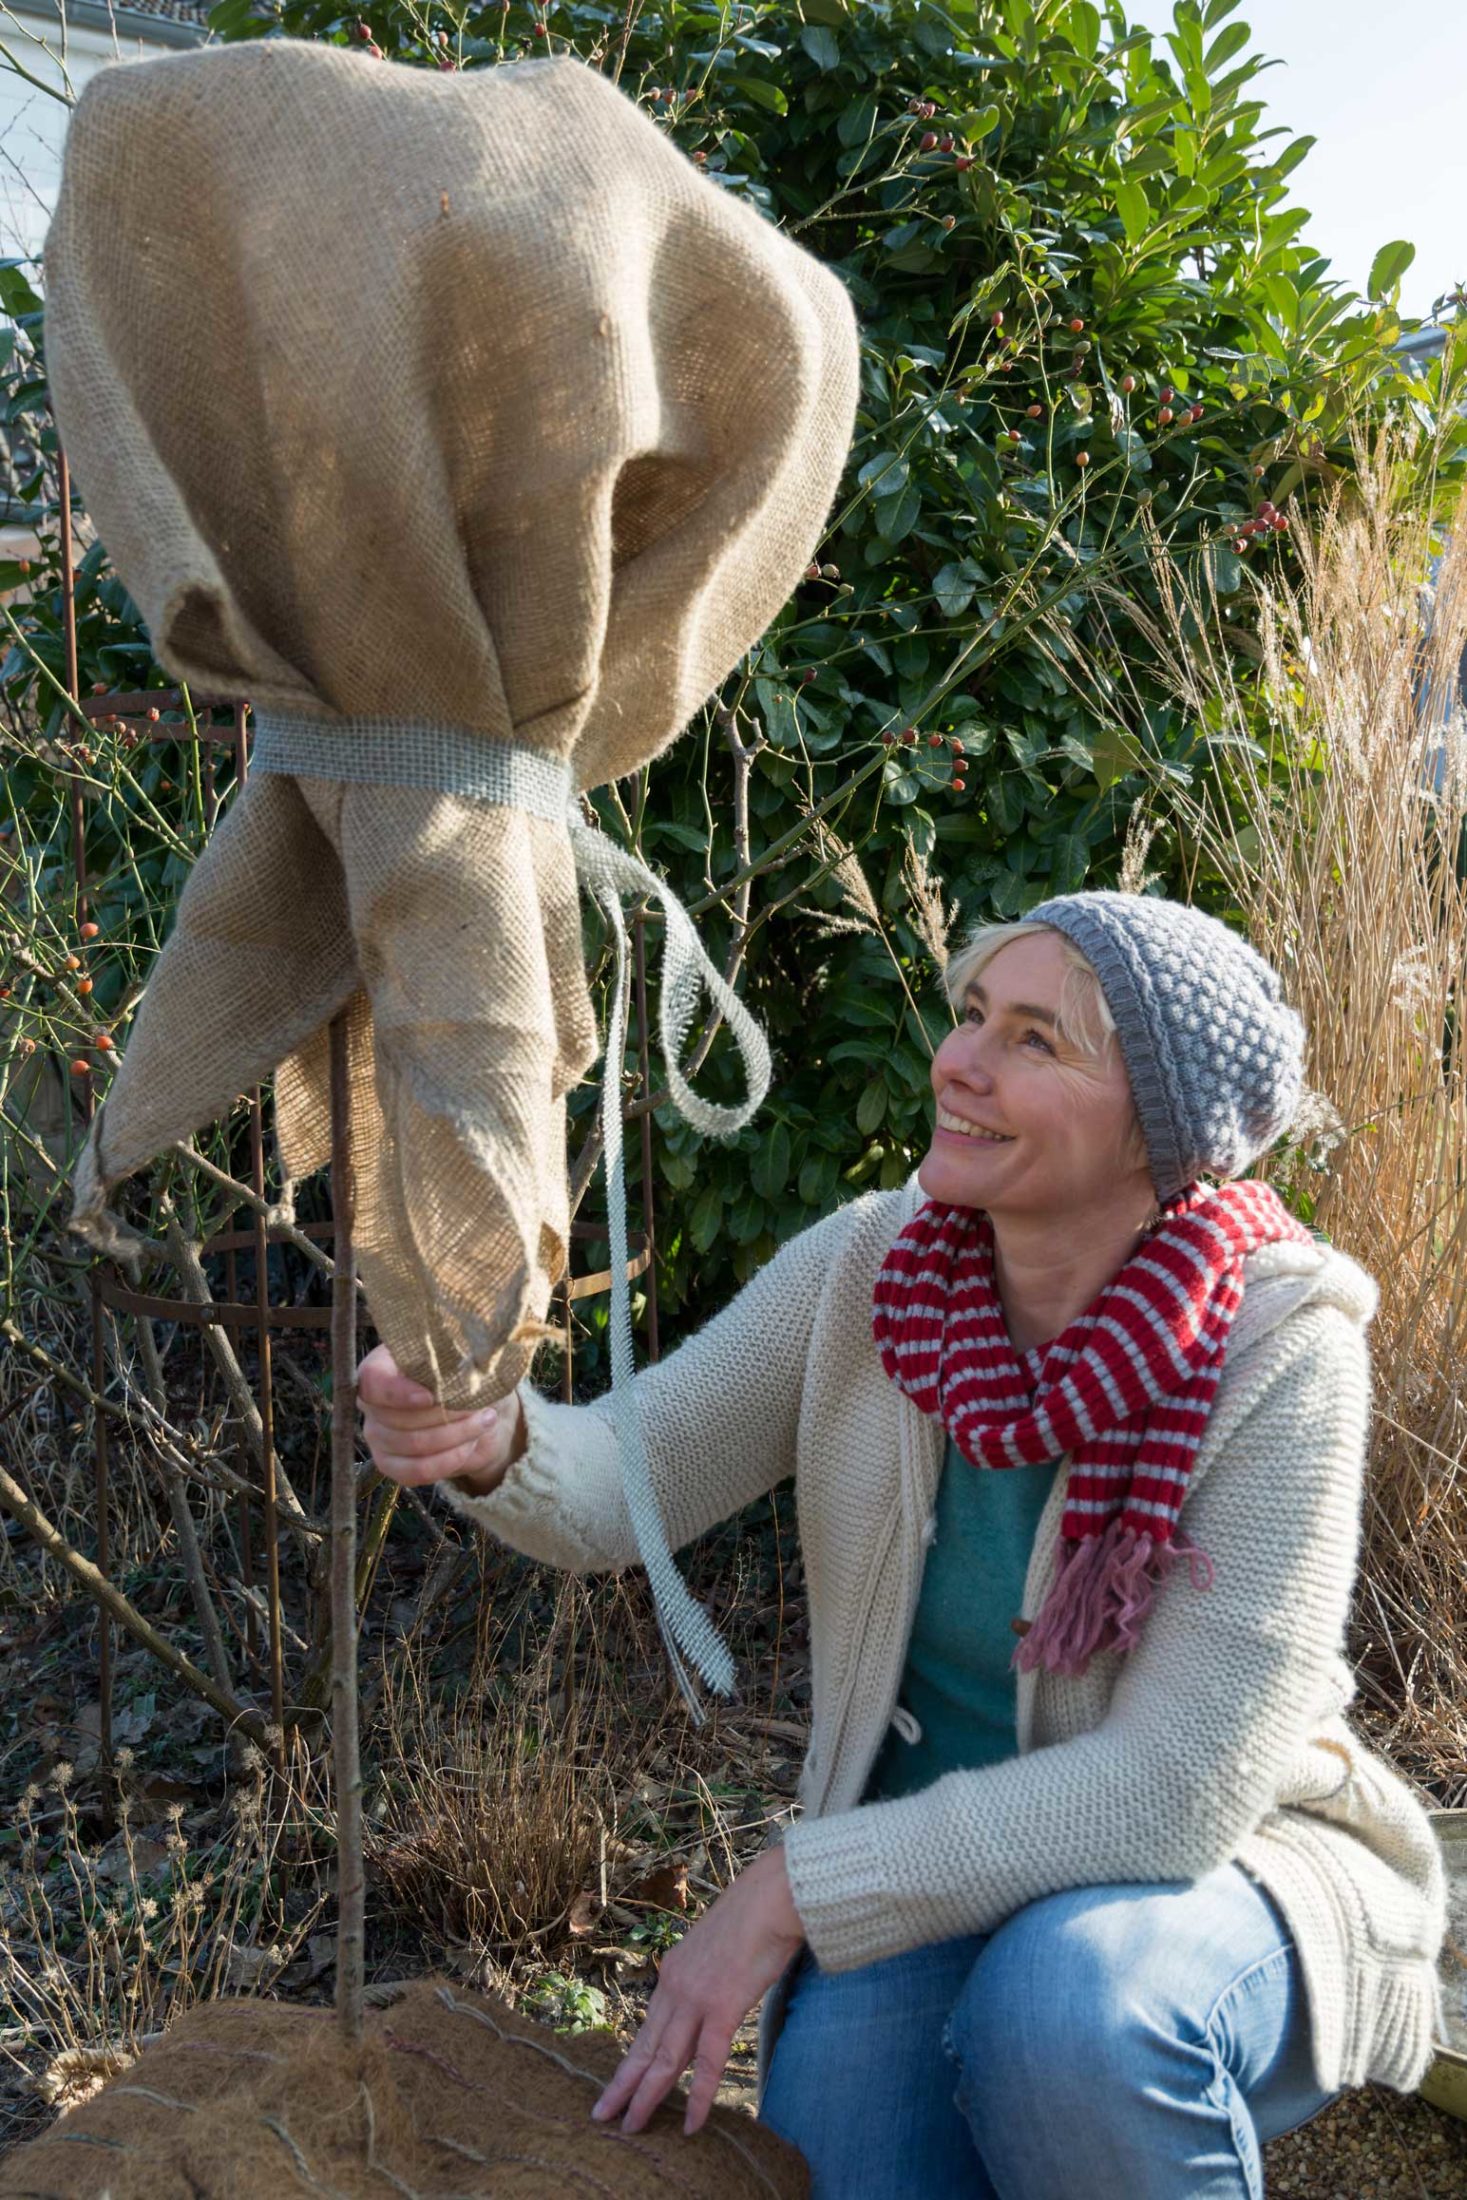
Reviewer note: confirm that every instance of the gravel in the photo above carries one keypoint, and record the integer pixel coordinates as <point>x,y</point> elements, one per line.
<point>1373,2144</point>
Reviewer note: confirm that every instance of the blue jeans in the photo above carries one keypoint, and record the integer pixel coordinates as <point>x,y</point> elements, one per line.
<point>1105,2043</point>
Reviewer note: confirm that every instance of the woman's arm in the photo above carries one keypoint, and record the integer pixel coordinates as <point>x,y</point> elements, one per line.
<point>720,1415</point>
<point>1207,1710</point>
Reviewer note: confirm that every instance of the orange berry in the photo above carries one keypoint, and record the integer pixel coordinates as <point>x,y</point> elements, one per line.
<point>79,1068</point>
<point>1082,458</point>
<point>89,930</point>
<point>105,1041</point>
<point>73,962</point>
<point>1165,416</point>
<point>83,985</point>
<point>1076,325</point>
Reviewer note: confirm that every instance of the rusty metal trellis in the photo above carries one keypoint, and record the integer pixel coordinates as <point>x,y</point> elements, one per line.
<point>141,715</point>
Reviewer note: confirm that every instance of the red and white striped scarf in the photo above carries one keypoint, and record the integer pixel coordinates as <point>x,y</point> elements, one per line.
<point>1126,1390</point>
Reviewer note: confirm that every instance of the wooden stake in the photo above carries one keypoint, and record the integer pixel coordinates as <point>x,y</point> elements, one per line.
<point>345,1740</point>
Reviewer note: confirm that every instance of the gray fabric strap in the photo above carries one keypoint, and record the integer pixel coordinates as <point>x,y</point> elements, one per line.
<point>401,752</point>
<point>411,752</point>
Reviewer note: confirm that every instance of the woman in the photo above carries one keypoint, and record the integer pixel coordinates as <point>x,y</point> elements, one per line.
<point>1099,1910</point>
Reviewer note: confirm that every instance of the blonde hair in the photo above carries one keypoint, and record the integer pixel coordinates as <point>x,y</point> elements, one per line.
<point>1082,1015</point>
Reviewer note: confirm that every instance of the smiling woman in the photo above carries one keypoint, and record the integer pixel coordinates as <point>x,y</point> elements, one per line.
<point>1073,1385</point>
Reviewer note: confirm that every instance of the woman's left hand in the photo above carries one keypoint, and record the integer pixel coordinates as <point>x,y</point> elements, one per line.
<point>706,1986</point>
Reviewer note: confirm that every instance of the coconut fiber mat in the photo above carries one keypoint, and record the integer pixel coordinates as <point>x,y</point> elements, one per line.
<point>450,2093</point>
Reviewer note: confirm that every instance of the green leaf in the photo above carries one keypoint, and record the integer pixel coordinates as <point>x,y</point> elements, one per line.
<point>977,122</point>
<point>1083,23</point>
<point>16,294</point>
<point>884,474</point>
<point>1388,266</point>
<point>770,1171</point>
<point>706,1219</point>
<point>857,122</point>
<point>1225,45</point>
<point>763,93</point>
<point>821,45</point>
<point>871,1107</point>
<point>897,516</point>
<point>954,585</point>
<point>1134,208</point>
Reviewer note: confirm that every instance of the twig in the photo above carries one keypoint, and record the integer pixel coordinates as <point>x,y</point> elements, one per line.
<point>112,1600</point>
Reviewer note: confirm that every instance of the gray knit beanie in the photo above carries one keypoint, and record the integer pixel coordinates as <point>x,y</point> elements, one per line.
<point>1213,1052</point>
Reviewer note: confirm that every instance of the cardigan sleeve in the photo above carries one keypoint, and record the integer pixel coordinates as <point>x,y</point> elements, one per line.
<point>720,1417</point>
<point>1206,1713</point>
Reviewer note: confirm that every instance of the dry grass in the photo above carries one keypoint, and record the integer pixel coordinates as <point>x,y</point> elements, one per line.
<point>1332,810</point>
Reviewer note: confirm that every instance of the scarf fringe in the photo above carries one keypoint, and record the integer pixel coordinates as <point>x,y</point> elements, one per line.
<point>1103,1592</point>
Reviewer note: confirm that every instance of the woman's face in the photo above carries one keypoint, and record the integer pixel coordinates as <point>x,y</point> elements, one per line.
<point>1063,1119</point>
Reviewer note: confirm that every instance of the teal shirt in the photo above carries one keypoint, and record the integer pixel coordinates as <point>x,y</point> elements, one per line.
<point>958,1682</point>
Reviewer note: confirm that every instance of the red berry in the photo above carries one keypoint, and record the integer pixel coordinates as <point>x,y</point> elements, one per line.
<point>80,1068</point>
<point>934,740</point>
<point>1036,412</point>
<point>949,221</point>
<point>909,735</point>
<point>1195,414</point>
<point>945,142</point>
<point>1259,472</point>
<point>997,319</point>
<point>155,714</point>
<point>1167,395</point>
<point>929,141</point>
<point>1239,545</point>
<point>1280,524</point>
<point>99,687</point>
<point>963,161</point>
<point>1128,383</point>
<point>105,1041</point>
<point>700,158</point>
<point>1082,458</point>
<point>960,786</point>
<point>956,747</point>
<point>1165,416</point>
<point>812,572</point>
<point>887,738</point>
<point>807,675</point>
<point>1013,435</point>
<point>1076,325</point>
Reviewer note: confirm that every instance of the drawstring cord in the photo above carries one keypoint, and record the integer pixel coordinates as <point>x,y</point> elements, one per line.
<point>609,871</point>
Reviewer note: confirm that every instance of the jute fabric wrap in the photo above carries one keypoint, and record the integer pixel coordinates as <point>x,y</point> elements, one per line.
<point>463,426</point>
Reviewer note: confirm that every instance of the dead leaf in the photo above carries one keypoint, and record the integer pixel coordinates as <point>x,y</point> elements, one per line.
<point>585,1913</point>
<point>664,1889</point>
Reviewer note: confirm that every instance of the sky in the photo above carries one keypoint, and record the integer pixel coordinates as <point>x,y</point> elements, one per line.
<point>1384,90</point>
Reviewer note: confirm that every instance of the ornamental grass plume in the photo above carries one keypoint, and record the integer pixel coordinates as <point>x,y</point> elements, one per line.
<point>1328,803</point>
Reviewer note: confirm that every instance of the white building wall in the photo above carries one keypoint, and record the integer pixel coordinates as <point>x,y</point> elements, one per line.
<point>33,124</point>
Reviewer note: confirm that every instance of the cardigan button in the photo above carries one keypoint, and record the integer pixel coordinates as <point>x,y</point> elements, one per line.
<point>1021,1626</point>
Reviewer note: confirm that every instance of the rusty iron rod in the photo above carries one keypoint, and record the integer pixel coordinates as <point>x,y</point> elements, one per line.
<point>345,1734</point>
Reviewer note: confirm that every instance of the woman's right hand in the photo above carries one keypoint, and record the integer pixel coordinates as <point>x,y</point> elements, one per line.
<point>414,1440</point>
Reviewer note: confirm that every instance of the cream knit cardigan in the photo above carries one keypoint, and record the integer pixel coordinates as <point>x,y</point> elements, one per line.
<point>1221,1736</point>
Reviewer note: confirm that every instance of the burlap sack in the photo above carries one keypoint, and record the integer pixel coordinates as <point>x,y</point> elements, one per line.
<point>464,426</point>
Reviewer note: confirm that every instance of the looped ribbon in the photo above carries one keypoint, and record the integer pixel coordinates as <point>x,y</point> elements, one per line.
<point>609,871</point>
<point>456,761</point>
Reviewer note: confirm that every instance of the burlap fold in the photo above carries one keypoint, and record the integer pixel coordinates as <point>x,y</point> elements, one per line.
<point>456,410</point>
